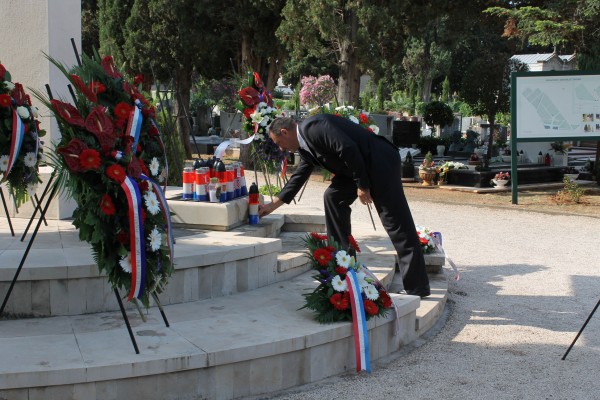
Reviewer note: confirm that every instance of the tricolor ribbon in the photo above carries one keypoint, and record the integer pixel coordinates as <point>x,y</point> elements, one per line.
<point>166,213</point>
<point>396,308</point>
<point>134,124</point>
<point>136,237</point>
<point>359,323</point>
<point>225,144</point>
<point>18,132</point>
<point>437,239</point>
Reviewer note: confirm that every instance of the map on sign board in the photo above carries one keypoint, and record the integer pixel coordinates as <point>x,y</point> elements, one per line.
<point>557,105</point>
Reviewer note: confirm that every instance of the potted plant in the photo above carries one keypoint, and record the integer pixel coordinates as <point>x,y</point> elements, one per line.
<point>427,170</point>
<point>560,153</point>
<point>501,179</point>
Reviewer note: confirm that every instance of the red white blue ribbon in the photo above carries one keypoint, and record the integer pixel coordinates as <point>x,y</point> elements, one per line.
<point>136,238</point>
<point>166,213</point>
<point>359,323</point>
<point>437,239</point>
<point>134,124</point>
<point>18,132</point>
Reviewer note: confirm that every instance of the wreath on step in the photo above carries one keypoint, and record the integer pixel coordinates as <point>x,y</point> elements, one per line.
<point>20,150</point>
<point>111,160</point>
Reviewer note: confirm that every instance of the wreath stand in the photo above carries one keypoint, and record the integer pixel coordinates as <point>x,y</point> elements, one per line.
<point>12,231</point>
<point>32,239</point>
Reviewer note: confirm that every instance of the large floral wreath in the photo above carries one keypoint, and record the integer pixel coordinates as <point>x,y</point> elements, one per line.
<point>259,112</point>
<point>331,299</point>
<point>20,149</point>
<point>359,117</point>
<point>110,159</point>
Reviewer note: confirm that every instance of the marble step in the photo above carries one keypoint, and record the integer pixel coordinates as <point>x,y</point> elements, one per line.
<point>245,344</point>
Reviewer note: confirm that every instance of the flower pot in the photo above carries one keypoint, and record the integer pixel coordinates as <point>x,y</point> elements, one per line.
<point>427,176</point>
<point>500,182</point>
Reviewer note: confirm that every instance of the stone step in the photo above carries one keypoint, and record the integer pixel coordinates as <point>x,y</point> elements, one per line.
<point>222,348</point>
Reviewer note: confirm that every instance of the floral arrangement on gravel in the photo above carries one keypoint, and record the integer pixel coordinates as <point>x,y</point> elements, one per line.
<point>331,299</point>
<point>258,115</point>
<point>20,149</point>
<point>111,159</point>
<point>426,238</point>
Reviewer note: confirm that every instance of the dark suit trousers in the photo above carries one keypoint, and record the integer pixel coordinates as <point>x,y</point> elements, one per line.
<point>392,207</point>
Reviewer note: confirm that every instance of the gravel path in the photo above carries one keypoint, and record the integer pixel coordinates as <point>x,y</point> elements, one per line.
<point>528,282</point>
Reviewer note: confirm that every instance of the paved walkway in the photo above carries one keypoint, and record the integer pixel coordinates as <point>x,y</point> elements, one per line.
<point>528,283</point>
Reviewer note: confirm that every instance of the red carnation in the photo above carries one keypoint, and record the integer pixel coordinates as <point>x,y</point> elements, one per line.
<point>248,112</point>
<point>116,173</point>
<point>134,169</point>
<point>89,159</point>
<point>249,96</point>
<point>109,67</point>
<point>330,249</point>
<point>106,205</point>
<point>143,185</point>
<point>71,153</point>
<point>318,236</point>
<point>122,237</point>
<point>339,301</point>
<point>68,113</point>
<point>363,118</point>
<point>153,130</point>
<point>2,71</point>
<point>322,256</point>
<point>97,87</point>
<point>122,111</point>
<point>5,100</point>
<point>385,298</point>
<point>100,124</point>
<point>353,243</point>
<point>423,241</point>
<point>370,307</point>
<point>139,78</point>
<point>83,88</point>
<point>341,270</point>
<point>19,94</point>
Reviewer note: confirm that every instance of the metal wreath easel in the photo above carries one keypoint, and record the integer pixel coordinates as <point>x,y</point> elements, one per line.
<point>37,227</point>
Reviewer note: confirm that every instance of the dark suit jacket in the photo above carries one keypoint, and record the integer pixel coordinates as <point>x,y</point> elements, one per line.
<point>340,146</point>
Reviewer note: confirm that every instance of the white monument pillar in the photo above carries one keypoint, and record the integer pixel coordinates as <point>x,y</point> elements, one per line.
<point>29,29</point>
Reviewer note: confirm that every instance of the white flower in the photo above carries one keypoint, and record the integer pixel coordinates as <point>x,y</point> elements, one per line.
<point>257,117</point>
<point>361,278</point>
<point>23,112</point>
<point>342,258</point>
<point>155,239</point>
<point>152,203</point>
<point>30,159</point>
<point>31,189</point>
<point>154,166</point>
<point>9,85</point>
<point>338,284</point>
<point>371,292</point>
<point>353,119</point>
<point>4,163</point>
<point>35,111</point>
<point>125,263</point>
<point>374,128</point>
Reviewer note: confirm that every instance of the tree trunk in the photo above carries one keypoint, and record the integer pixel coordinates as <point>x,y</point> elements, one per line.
<point>492,121</point>
<point>247,57</point>
<point>181,105</point>
<point>347,88</point>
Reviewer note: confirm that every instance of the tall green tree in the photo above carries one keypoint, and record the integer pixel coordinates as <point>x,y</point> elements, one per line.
<point>90,38</point>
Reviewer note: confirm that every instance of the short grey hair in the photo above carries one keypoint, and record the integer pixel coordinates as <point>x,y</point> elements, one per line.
<point>281,123</point>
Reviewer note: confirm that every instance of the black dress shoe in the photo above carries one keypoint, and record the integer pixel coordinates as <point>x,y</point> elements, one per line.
<point>423,291</point>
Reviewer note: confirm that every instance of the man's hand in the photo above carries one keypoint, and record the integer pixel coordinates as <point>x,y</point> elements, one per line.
<point>364,195</point>
<point>266,209</point>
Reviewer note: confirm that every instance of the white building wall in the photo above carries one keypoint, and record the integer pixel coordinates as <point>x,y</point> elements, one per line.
<point>30,28</point>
